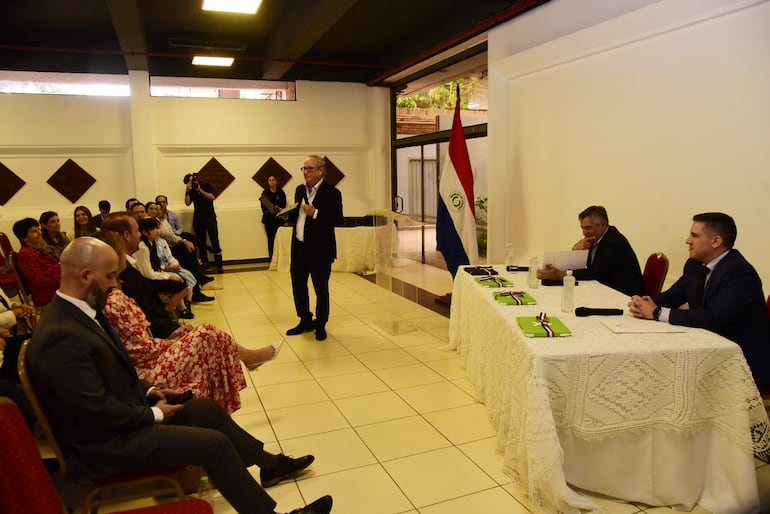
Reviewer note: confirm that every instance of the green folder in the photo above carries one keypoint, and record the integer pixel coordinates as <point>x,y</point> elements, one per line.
<point>493,281</point>
<point>514,298</point>
<point>532,327</point>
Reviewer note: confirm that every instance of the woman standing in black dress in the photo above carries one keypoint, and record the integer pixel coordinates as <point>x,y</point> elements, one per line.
<point>272,199</point>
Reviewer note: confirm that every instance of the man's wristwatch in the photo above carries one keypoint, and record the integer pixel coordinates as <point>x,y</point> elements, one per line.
<point>656,314</point>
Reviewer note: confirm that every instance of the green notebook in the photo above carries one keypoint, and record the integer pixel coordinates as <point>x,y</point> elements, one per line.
<point>532,326</point>
<point>495,281</point>
<point>514,298</point>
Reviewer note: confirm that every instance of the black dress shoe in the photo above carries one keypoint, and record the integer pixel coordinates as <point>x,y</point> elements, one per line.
<point>306,325</point>
<point>205,279</point>
<point>186,314</point>
<point>200,297</point>
<point>322,505</point>
<point>287,467</point>
<point>320,333</point>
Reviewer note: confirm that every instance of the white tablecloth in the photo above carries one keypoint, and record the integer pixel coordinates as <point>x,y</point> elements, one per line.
<point>664,419</point>
<point>356,249</point>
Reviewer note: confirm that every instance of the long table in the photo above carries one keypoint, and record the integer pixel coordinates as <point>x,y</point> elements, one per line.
<point>356,249</point>
<point>660,418</point>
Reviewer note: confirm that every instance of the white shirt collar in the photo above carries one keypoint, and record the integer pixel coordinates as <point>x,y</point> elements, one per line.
<point>80,304</point>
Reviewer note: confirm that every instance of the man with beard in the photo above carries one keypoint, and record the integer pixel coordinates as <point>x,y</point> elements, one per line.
<point>109,421</point>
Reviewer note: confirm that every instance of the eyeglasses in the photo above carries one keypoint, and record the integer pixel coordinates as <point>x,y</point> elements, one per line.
<point>309,168</point>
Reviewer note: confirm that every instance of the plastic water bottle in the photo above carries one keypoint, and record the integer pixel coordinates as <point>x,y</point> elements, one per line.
<point>509,255</point>
<point>568,293</point>
<point>205,492</point>
<point>532,281</point>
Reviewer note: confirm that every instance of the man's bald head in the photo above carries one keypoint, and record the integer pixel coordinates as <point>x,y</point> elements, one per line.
<point>89,270</point>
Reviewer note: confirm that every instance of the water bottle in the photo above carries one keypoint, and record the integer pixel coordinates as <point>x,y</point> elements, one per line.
<point>205,492</point>
<point>509,255</point>
<point>532,281</point>
<point>568,293</point>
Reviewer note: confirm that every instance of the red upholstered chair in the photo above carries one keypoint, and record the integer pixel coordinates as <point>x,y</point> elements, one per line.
<point>9,281</point>
<point>158,482</point>
<point>655,271</point>
<point>27,487</point>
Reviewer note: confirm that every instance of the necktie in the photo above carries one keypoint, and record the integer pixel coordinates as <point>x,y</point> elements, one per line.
<point>592,253</point>
<point>102,319</point>
<point>700,285</point>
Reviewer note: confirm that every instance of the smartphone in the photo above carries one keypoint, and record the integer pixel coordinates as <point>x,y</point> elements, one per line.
<point>181,398</point>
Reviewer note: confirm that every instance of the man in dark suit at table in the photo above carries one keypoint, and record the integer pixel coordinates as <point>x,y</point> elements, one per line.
<point>723,292</point>
<point>313,245</point>
<point>611,260</point>
<point>109,421</point>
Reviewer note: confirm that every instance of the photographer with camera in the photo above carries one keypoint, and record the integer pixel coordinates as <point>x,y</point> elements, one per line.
<point>201,195</point>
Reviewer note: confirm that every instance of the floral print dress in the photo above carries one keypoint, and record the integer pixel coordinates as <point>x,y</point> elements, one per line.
<point>205,359</point>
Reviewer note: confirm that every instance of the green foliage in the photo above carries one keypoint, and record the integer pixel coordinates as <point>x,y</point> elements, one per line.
<point>442,97</point>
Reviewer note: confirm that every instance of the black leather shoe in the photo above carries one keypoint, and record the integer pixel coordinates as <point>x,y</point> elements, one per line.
<point>205,279</point>
<point>306,325</point>
<point>200,297</point>
<point>320,333</point>
<point>287,467</point>
<point>322,505</point>
<point>186,314</point>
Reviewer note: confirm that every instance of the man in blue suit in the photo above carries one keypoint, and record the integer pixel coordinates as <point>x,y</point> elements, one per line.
<point>723,292</point>
<point>313,245</point>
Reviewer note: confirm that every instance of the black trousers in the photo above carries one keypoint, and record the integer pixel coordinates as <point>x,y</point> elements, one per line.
<point>202,227</point>
<point>188,260</point>
<point>304,265</point>
<point>271,228</point>
<point>203,434</point>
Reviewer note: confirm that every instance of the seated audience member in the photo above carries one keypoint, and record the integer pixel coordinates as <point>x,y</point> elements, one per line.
<point>149,266</point>
<point>135,285</point>
<point>11,313</point>
<point>109,421</point>
<point>85,225</point>
<point>39,270</point>
<point>54,240</point>
<point>171,216</point>
<point>130,203</point>
<point>104,210</point>
<point>611,260</point>
<point>137,210</point>
<point>722,290</point>
<point>205,359</point>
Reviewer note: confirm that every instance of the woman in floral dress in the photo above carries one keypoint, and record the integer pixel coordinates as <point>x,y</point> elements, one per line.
<point>204,359</point>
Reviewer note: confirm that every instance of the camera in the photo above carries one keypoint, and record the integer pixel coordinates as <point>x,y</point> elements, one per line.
<point>194,179</point>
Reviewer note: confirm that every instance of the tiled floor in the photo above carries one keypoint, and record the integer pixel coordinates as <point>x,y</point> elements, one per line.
<point>390,417</point>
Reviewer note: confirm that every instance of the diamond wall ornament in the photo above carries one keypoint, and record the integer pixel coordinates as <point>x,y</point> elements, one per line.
<point>71,181</point>
<point>215,175</point>
<point>333,173</point>
<point>10,183</point>
<point>271,168</point>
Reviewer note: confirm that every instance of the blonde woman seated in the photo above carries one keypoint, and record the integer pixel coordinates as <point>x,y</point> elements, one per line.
<point>203,359</point>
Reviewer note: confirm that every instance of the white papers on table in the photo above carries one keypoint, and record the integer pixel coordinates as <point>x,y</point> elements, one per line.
<point>628,324</point>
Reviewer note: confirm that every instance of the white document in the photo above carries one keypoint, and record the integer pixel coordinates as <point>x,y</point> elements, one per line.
<point>627,324</point>
<point>568,259</point>
<point>286,209</point>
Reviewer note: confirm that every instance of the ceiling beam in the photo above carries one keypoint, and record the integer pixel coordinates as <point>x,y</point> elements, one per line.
<point>130,32</point>
<point>305,24</point>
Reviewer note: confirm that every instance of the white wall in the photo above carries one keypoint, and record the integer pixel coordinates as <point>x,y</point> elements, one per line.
<point>656,114</point>
<point>143,146</point>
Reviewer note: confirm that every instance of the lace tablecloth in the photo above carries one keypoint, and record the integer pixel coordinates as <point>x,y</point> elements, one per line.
<point>356,249</point>
<point>575,409</point>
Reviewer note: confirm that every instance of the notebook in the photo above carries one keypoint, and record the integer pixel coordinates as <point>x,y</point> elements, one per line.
<point>480,270</point>
<point>564,260</point>
<point>493,281</point>
<point>514,298</point>
<point>534,326</point>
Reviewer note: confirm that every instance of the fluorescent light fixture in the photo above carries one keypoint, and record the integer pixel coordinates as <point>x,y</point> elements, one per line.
<point>203,60</point>
<point>238,6</point>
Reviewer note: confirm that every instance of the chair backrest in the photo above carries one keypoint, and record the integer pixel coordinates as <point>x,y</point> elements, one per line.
<point>26,486</point>
<point>30,390</point>
<point>20,284</point>
<point>655,271</point>
<point>5,244</point>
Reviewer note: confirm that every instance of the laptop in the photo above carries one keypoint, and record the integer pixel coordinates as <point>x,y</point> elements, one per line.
<point>569,259</point>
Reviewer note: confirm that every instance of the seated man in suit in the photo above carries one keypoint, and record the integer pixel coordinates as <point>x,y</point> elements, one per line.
<point>723,292</point>
<point>611,260</point>
<point>109,421</point>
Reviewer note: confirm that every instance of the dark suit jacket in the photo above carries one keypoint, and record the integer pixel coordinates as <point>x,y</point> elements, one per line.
<point>91,391</point>
<point>733,306</point>
<point>138,287</point>
<point>319,233</point>
<point>615,265</point>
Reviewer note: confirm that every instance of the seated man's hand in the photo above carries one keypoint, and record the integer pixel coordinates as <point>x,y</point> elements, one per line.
<point>550,273</point>
<point>584,244</point>
<point>642,307</point>
<point>5,334</point>
<point>189,245</point>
